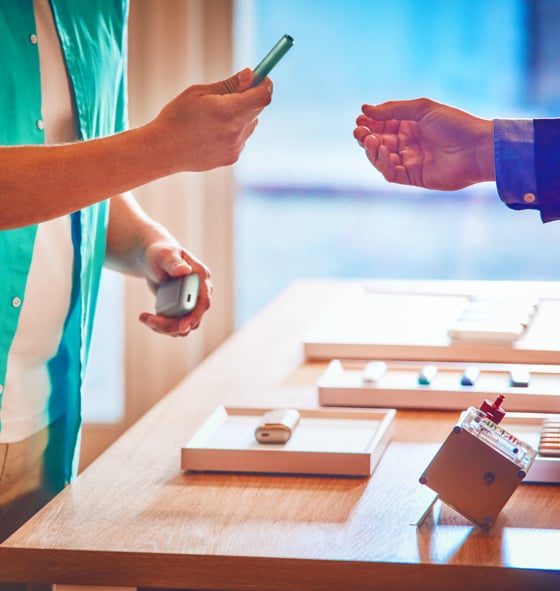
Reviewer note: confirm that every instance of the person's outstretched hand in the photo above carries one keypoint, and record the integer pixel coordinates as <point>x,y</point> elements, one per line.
<point>427,144</point>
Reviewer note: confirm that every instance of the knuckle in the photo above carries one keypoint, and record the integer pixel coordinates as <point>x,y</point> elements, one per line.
<point>424,102</point>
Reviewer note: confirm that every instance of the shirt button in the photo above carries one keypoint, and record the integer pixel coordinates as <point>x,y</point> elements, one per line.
<point>40,124</point>
<point>33,38</point>
<point>16,302</point>
<point>529,198</point>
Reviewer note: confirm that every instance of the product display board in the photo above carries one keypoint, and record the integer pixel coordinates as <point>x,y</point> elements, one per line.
<point>501,322</point>
<point>458,386</point>
<point>439,385</point>
<point>325,441</point>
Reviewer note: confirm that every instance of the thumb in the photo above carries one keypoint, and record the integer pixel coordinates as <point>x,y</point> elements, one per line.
<point>176,266</point>
<point>236,83</point>
<point>171,263</point>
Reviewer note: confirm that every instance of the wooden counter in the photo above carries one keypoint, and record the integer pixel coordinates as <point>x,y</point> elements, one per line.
<point>134,519</point>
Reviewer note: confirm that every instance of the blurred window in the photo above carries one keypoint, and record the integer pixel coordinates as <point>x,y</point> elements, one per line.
<point>310,205</point>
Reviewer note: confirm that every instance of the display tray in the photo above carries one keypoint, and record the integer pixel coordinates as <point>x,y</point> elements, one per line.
<point>342,385</point>
<point>510,322</point>
<point>527,427</point>
<point>337,442</point>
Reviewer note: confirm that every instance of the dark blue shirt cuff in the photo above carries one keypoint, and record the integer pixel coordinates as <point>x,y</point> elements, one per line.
<point>547,167</point>
<point>514,159</point>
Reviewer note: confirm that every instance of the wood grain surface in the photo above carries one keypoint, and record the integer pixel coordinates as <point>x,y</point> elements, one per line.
<point>133,518</point>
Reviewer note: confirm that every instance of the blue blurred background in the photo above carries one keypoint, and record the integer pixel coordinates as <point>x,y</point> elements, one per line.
<point>309,203</point>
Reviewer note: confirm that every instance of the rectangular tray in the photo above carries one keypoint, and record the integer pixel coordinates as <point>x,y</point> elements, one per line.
<point>412,320</point>
<point>326,441</point>
<point>341,385</point>
<point>527,428</point>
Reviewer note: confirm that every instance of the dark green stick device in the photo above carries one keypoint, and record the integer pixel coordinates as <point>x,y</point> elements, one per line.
<point>271,59</point>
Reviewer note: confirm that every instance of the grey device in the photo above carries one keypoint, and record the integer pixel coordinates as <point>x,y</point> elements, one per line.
<point>271,59</point>
<point>177,297</point>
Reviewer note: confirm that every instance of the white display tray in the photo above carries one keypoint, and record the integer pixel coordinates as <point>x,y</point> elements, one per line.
<point>527,427</point>
<point>326,441</point>
<point>411,320</point>
<point>341,385</point>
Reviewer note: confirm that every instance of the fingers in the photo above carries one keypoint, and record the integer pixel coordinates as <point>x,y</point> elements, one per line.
<point>236,83</point>
<point>371,144</point>
<point>386,160</point>
<point>181,327</point>
<point>385,138</point>
<point>365,129</point>
<point>411,110</point>
<point>360,133</point>
<point>367,125</point>
<point>175,266</point>
<point>379,156</point>
<point>173,327</point>
<point>164,260</point>
<point>206,126</point>
<point>370,125</point>
<point>240,85</point>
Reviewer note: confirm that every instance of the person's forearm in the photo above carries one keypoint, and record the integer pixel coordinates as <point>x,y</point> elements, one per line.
<point>129,233</point>
<point>204,127</point>
<point>38,183</point>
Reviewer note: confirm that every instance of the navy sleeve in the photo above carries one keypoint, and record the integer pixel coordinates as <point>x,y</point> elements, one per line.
<point>514,162</point>
<point>547,167</point>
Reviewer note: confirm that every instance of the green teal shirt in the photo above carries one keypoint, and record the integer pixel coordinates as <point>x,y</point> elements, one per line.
<point>93,39</point>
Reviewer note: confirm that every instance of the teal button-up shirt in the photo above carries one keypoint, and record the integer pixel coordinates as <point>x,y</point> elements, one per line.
<point>93,39</point>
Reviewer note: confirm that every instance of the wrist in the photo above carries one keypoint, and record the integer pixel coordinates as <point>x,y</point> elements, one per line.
<point>484,151</point>
<point>158,154</point>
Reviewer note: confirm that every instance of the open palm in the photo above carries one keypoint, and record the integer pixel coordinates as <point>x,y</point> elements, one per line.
<point>426,144</point>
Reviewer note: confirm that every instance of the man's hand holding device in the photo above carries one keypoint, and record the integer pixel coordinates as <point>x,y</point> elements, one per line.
<point>178,297</point>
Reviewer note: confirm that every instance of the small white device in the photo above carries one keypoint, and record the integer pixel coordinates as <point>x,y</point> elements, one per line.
<point>276,426</point>
<point>177,297</point>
